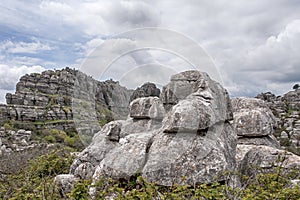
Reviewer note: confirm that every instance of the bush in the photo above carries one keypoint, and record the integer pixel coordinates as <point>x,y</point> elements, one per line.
<point>37,180</point>
<point>7,126</point>
<point>50,138</point>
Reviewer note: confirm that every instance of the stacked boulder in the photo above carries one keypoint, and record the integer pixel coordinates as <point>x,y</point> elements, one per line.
<point>254,122</point>
<point>167,138</point>
<point>257,148</point>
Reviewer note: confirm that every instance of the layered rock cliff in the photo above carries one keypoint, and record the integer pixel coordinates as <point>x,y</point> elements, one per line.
<point>45,100</point>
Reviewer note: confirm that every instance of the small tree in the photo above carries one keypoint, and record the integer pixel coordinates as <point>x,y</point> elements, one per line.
<point>296,86</point>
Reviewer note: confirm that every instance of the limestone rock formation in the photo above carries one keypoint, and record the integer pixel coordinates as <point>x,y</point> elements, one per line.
<point>254,122</point>
<point>286,109</point>
<point>258,150</point>
<point>146,108</point>
<point>266,159</point>
<point>146,90</point>
<point>45,100</point>
<point>162,145</point>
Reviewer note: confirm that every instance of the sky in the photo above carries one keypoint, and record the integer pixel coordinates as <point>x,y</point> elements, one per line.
<point>254,45</point>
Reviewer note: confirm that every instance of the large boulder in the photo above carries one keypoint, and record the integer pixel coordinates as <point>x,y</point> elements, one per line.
<point>193,140</point>
<point>191,158</point>
<point>197,84</point>
<point>267,160</point>
<point>254,122</point>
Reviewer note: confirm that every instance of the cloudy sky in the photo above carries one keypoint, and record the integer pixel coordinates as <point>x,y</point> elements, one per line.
<point>255,45</point>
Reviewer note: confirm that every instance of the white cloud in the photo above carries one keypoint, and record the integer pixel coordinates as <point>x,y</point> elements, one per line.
<point>96,18</point>
<point>9,75</point>
<point>23,47</point>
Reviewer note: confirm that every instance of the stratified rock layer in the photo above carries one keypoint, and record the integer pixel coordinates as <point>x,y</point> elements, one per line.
<point>45,100</point>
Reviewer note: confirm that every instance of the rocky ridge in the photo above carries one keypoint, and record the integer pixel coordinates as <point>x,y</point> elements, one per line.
<point>45,100</point>
<point>286,109</point>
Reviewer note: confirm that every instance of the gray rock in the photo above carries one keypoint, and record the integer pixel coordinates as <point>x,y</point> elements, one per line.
<point>65,182</point>
<point>146,90</point>
<point>253,123</point>
<point>128,159</point>
<point>147,108</point>
<point>181,86</point>
<point>200,149</point>
<point>48,97</point>
<point>269,140</point>
<point>267,159</point>
<point>198,158</point>
<point>252,117</point>
<point>84,171</point>
<point>112,130</point>
<point>94,153</point>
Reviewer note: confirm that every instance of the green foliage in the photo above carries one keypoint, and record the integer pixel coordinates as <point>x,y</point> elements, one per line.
<point>103,121</point>
<point>271,186</point>
<point>68,138</point>
<point>80,190</point>
<point>50,138</point>
<point>37,180</point>
<point>7,126</point>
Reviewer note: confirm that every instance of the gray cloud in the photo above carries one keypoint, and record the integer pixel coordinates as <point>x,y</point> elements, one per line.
<point>255,44</point>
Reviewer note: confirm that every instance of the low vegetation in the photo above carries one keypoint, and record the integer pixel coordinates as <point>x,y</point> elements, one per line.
<point>37,182</point>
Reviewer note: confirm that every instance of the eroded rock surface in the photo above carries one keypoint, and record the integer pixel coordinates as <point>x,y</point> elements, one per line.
<point>146,90</point>
<point>254,122</point>
<point>46,98</point>
<point>266,159</point>
<point>286,109</point>
<point>186,132</point>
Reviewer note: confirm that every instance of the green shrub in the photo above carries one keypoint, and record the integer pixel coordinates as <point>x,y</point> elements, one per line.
<point>80,190</point>
<point>7,126</point>
<point>50,138</point>
<point>37,180</point>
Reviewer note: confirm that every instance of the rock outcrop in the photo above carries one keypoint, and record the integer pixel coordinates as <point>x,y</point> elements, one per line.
<point>265,159</point>
<point>165,145</point>
<point>286,109</point>
<point>146,90</point>
<point>258,151</point>
<point>254,122</point>
<point>45,100</point>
